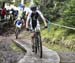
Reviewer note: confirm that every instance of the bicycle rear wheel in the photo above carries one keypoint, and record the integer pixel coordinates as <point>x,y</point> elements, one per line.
<point>17,32</point>
<point>39,44</point>
<point>35,45</point>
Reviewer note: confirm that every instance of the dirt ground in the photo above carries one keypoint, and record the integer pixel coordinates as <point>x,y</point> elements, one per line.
<point>8,53</point>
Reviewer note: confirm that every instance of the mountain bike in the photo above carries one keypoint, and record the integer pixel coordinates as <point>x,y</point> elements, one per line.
<point>38,43</point>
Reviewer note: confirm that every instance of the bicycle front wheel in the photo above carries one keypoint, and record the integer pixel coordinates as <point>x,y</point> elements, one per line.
<point>17,32</point>
<point>39,45</point>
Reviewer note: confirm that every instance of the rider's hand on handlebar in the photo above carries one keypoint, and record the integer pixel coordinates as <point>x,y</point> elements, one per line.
<point>46,27</point>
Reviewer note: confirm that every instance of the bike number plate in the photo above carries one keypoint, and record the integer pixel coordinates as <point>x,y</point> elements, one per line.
<point>18,24</point>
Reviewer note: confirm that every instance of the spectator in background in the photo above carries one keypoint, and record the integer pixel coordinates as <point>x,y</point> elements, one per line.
<point>3,11</point>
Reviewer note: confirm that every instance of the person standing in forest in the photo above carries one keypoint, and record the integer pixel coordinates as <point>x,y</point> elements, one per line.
<point>3,11</point>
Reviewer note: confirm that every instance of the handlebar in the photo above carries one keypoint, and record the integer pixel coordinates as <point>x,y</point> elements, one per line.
<point>42,28</point>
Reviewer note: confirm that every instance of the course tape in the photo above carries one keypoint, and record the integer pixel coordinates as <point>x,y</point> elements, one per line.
<point>72,28</point>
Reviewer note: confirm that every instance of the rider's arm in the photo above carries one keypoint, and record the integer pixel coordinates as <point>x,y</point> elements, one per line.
<point>27,21</point>
<point>41,15</point>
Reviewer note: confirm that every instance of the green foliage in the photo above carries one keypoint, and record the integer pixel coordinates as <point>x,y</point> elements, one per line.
<point>15,48</point>
<point>37,2</point>
<point>52,9</point>
<point>69,14</point>
<point>27,4</point>
<point>55,34</point>
<point>57,48</point>
<point>17,2</point>
<point>8,1</point>
<point>57,37</point>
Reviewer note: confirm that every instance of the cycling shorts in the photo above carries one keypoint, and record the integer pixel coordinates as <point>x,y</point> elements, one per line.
<point>34,26</point>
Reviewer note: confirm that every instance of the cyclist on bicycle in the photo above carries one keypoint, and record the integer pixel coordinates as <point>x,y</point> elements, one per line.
<point>18,22</point>
<point>19,17</point>
<point>18,26</point>
<point>34,23</point>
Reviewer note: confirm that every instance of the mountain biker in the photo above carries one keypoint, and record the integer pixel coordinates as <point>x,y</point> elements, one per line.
<point>20,17</point>
<point>34,23</point>
<point>18,26</point>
